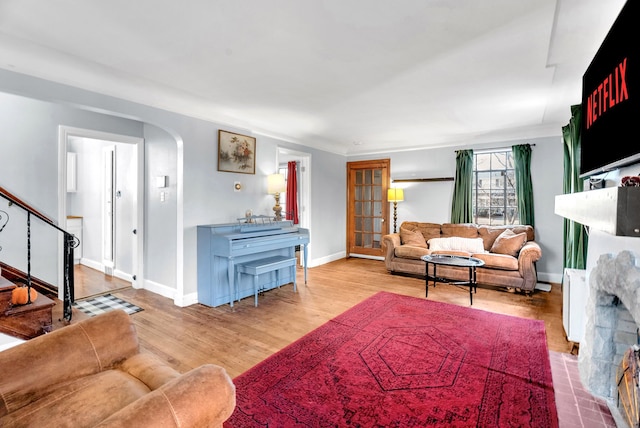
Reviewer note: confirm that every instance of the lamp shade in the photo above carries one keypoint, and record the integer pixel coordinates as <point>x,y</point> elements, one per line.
<point>275,184</point>
<point>395,195</point>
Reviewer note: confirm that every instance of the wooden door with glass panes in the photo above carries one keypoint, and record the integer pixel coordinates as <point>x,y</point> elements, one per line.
<point>367,207</point>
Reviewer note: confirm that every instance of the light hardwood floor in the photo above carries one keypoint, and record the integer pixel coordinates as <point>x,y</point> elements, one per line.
<point>238,338</point>
<point>90,282</point>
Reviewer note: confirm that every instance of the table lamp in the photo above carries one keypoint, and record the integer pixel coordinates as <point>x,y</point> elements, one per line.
<point>275,186</point>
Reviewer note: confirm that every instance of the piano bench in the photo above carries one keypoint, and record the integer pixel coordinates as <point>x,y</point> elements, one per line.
<point>260,266</point>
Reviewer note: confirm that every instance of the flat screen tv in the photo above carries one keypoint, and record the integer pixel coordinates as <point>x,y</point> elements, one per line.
<point>611,98</point>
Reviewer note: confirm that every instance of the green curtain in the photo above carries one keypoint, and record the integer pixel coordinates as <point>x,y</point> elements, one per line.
<point>524,187</point>
<point>461,207</point>
<point>575,235</point>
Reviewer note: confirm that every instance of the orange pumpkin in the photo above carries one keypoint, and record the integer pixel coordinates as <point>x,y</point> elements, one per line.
<point>19,295</point>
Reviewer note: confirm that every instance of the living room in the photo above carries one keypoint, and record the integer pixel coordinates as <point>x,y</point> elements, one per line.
<point>198,194</point>
<point>33,108</point>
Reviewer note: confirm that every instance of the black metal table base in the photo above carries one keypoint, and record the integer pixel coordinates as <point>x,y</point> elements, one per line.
<point>471,283</point>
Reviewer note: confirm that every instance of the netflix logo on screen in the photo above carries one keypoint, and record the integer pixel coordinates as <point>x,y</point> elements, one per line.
<point>613,90</point>
<point>611,98</point>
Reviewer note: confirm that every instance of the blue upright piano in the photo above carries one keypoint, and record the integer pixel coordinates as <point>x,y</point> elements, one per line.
<point>222,246</point>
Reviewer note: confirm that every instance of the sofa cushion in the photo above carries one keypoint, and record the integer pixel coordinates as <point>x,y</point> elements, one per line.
<point>428,230</point>
<point>454,243</point>
<point>497,261</point>
<point>80,349</point>
<point>175,404</point>
<point>509,243</point>
<point>462,230</point>
<point>411,252</point>
<point>453,253</point>
<point>80,402</point>
<point>149,369</point>
<point>413,238</point>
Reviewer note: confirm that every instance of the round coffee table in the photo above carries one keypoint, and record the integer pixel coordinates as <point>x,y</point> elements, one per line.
<point>448,260</point>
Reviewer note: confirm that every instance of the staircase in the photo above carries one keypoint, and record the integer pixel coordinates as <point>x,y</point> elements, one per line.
<point>36,318</point>
<point>24,321</point>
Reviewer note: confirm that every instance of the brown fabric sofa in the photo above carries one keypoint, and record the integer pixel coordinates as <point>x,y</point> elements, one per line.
<point>509,261</point>
<point>92,374</point>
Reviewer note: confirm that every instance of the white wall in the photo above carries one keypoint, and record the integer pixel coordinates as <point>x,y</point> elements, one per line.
<point>161,214</point>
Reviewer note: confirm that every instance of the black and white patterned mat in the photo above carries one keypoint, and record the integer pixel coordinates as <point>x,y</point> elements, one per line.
<point>101,304</point>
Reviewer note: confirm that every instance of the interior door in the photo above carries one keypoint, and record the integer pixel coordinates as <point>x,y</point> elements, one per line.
<point>367,207</point>
<point>108,207</point>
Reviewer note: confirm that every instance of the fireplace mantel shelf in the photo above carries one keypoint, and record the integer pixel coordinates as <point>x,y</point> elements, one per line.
<point>615,210</point>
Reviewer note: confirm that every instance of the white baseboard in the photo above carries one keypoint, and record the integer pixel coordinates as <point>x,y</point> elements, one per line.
<point>187,300</point>
<point>170,293</point>
<point>161,289</point>
<point>123,275</point>
<point>101,268</point>
<point>154,287</point>
<point>327,259</point>
<point>550,277</point>
<point>92,264</point>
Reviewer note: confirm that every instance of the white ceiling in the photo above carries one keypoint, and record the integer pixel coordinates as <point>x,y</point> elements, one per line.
<point>349,76</point>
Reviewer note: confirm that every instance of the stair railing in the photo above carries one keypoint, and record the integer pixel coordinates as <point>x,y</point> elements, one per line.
<point>70,242</point>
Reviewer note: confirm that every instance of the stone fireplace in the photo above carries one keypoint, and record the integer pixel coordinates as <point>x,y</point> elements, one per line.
<point>612,310</point>
<point>612,314</point>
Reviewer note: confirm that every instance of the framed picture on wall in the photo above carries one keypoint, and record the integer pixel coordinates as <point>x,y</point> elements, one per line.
<point>236,153</point>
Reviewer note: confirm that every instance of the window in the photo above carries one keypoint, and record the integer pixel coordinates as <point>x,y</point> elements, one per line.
<point>494,188</point>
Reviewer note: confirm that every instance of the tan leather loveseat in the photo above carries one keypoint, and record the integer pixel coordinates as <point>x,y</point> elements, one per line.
<point>92,374</point>
<point>509,252</point>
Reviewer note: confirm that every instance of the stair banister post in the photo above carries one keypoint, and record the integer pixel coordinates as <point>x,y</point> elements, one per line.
<point>28,257</point>
<point>68,298</point>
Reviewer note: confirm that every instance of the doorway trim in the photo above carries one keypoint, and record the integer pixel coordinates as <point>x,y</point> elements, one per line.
<point>353,249</point>
<point>305,191</point>
<point>108,207</point>
<point>64,134</point>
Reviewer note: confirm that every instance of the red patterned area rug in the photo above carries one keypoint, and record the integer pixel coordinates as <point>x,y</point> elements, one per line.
<point>398,361</point>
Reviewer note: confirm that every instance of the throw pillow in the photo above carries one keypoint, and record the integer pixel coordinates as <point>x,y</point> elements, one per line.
<point>412,237</point>
<point>489,234</point>
<point>509,243</point>
<point>455,243</point>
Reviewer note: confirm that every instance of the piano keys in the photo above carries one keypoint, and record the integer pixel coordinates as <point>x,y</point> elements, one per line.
<point>222,246</point>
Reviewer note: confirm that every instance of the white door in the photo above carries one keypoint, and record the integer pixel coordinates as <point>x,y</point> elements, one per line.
<point>108,207</point>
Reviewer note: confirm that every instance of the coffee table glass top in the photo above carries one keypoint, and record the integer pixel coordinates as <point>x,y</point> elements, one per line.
<point>450,260</point>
